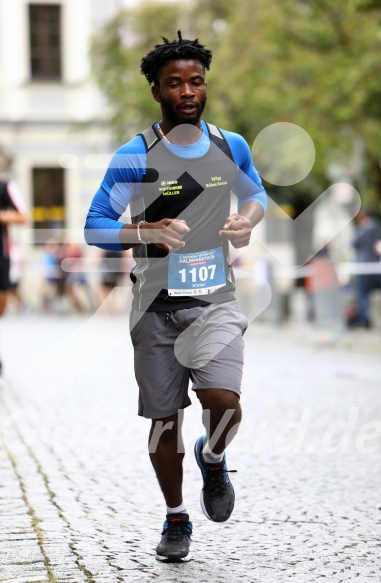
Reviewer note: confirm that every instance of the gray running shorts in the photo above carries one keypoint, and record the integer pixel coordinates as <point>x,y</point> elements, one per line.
<point>203,344</point>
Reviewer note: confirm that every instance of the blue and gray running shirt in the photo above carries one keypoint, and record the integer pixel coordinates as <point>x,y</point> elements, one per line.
<point>194,182</point>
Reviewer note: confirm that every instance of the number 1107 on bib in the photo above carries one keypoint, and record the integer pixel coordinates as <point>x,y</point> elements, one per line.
<point>198,273</point>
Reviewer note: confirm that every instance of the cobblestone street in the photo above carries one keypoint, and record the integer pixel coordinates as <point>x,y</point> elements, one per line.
<point>79,499</point>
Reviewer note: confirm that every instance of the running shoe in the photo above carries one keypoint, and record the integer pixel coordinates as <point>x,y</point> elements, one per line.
<point>176,539</point>
<point>217,495</point>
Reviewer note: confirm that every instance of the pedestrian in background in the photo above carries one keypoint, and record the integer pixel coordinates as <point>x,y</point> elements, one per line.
<point>74,279</point>
<point>12,212</point>
<point>15,276</point>
<point>177,177</point>
<point>52,275</point>
<point>367,233</point>
<point>111,275</point>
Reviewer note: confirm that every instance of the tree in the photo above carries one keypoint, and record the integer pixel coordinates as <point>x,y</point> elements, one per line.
<point>116,53</point>
<point>314,63</point>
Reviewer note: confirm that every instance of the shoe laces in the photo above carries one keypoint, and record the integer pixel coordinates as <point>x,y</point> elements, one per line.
<point>176,529</point>
<point>216,480</point>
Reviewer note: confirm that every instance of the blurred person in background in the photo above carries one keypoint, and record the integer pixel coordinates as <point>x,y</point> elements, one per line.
<point>115,270</point>
<point>12,211</point>
<point>65,285</point>
<point>378,248</point>
<point>367,233</point>
<point>51,274</point>
<point>112,273</point>
<point>15,275</point>
<point>74,279</point>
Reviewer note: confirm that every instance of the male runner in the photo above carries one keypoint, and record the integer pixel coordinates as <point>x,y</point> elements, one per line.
<point>12,211</point>
<point>177,177</point>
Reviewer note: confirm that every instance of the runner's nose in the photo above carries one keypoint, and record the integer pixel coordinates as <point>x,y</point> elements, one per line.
<point>187,90</point>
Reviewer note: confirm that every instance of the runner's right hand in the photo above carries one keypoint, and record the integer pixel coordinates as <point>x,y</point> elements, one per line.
<point>167,234</point>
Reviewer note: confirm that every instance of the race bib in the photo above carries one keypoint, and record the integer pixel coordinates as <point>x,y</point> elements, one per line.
<point>196,274</point>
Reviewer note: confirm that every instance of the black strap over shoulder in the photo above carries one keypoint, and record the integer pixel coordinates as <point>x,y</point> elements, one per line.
<point>219,139</point>
<point>150,139</point>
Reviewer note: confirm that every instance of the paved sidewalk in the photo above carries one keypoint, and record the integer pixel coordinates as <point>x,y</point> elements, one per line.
<point>79,501</point>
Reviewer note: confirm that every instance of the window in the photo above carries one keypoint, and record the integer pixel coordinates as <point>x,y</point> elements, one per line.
<point>45,41</point>
<point>48,200</point>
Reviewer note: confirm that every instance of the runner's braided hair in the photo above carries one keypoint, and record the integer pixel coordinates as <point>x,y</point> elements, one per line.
<point>175,49</point>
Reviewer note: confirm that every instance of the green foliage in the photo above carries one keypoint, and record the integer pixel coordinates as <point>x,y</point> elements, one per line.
<point>116,54</point>
<point>314,63</point>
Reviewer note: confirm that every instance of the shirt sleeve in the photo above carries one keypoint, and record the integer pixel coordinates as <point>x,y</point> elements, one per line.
<point>119,185</point>
<point>15,198</point>
<point>248,186</point>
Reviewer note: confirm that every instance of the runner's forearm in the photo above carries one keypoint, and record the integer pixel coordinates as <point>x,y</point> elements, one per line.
<point>12,217</point>
<point>128,236</point>
<point>253,211</point>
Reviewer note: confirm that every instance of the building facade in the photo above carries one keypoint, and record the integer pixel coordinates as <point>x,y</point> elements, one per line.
<point>52,116</point>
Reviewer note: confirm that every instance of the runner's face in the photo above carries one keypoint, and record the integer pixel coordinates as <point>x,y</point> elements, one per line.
<point>181,91</point>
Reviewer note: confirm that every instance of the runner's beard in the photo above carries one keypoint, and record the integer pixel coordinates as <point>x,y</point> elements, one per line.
<point>176,117</point>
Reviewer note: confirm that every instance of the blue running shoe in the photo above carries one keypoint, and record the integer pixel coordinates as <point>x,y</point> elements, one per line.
<point>176,539</point>
<point>217,495</point>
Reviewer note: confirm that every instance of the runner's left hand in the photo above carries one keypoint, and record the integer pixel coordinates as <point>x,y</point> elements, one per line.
<point>237,229</point>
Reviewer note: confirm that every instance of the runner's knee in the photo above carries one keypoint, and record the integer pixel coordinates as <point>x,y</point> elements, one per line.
<point>165,429</point>
<point>218,400</point>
